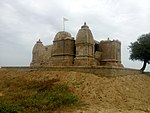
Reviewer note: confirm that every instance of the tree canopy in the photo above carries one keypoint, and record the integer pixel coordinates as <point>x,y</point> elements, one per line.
<point>140,50</point>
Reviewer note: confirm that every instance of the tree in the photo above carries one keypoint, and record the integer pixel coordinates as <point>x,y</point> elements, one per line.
<point>140,50</point>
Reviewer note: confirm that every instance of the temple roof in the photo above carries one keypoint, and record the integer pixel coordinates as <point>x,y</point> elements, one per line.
<point>62,35</point>
<point>84,35</point>
<point>38,46</point>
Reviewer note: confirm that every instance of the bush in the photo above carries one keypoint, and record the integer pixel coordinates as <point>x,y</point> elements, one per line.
<point>35,96</point>
<point>147,73</point>
<point>52,99</point>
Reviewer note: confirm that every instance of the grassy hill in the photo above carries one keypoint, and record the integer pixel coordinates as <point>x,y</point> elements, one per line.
<point>72,92</point>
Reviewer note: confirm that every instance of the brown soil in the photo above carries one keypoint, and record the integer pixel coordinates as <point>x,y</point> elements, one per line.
<point>98,94</point>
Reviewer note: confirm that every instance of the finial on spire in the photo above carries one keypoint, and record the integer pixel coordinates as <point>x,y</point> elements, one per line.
<point>84,26</point>
<point>39,41</point>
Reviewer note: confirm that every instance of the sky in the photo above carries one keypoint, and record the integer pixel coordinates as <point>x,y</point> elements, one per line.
<point>23,22</point>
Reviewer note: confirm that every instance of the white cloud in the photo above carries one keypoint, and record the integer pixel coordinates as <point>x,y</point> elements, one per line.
<point>22,22</point>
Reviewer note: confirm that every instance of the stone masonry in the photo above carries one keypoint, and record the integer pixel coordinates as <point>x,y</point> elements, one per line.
<point>84,51</point>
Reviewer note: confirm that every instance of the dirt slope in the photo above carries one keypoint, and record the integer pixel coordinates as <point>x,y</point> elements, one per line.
<point>119,94</point>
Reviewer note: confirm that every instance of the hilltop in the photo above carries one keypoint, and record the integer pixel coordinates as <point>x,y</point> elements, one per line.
<point>96,94</point>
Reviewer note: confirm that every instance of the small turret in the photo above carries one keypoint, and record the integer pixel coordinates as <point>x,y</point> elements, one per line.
<point>111,53</point>
<point>37,53</point>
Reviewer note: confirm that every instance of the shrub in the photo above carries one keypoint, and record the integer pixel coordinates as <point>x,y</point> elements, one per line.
<point>35,96</point>
<point>51,99</point>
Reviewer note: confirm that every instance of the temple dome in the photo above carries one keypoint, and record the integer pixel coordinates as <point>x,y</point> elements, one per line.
<point>38,46</point>
<point>62,35</point>
<point>84,35</point>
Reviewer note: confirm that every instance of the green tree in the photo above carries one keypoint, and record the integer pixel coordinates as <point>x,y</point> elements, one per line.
<point>140,50</point>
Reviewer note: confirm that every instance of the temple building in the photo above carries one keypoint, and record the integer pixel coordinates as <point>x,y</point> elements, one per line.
<point>82,51</point>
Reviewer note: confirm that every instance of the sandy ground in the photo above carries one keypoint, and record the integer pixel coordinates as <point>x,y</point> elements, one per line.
<point>119,94</point>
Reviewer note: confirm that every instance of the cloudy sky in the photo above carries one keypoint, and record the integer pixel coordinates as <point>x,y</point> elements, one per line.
<point>23,22</point>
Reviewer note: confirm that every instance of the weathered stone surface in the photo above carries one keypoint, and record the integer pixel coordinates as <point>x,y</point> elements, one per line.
<point>111,53</point>
<point>84,51</point>
<point>84,61</point>
<point>62,35</point>
<point>38,54</point>
<point>84,35</point>
<point>61,61</point>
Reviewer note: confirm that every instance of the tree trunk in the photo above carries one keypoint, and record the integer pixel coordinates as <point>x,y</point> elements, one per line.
<point>144,66</point>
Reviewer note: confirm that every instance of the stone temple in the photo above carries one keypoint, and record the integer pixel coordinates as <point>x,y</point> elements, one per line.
<point>82,51</point>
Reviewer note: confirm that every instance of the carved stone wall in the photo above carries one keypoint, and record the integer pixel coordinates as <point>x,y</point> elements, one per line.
<point>63,50</point>
<point>111,53</point>
<point>38,53</point>
<point>84,51</point>
<point>84,47</point>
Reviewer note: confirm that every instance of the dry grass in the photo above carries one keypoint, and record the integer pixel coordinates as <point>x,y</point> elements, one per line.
<point>33,91</point>
<point>19,95</point>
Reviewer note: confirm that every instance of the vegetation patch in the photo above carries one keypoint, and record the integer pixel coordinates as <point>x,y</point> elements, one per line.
<point>8,108</point>
<point>36,96</point>
<point>147,73</point>
<point>52,99</point>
